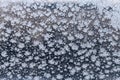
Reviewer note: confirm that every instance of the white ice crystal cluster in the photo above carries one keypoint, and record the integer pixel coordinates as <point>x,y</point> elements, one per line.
<point>59,41</point>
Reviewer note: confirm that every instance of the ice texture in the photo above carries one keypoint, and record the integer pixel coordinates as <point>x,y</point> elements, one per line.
<point>60,40</point>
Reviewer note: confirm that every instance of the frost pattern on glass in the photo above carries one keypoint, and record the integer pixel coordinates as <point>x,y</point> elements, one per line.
<point>58,41</point>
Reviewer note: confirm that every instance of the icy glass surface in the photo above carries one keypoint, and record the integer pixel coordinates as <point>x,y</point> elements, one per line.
<point>59,41</point>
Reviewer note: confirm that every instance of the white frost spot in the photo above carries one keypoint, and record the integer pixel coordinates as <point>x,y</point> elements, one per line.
<point>21,45</point>
<point>24,65</point>
<point>27,38</point>
<point>8,30</point>
<point>59,76</point>
<point>72,71</point>
<point>47,36</point>
<point>36,43</point>
<point>36,78</point>
<point>80,52</point>
<point>117,78</point>
<point>69,78</point>
<point>41,46</point>
<point>47,75</point>
<point>18,34</point>
<point>79,36</point>
<point>53,78</point>
<point>51,61</point>
<point>70,37</point>
<point>27,53</point>
<point>13,41</point>
<point>97,63</point>
<point>32,65</point>
<point>73,46</point>
<point>117,61</point>
<point>4,54</point>
<point>93,58</point>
